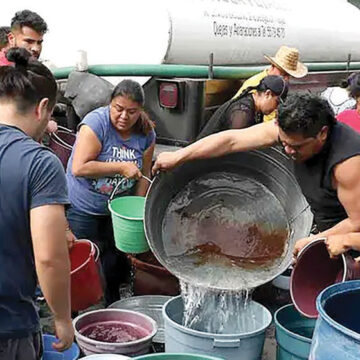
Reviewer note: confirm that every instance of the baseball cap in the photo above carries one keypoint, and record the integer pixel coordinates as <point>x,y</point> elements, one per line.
<point>276,84</point>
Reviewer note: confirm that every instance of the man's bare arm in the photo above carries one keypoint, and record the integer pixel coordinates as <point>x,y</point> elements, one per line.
<point>225,142</point>
<point>52,263</point>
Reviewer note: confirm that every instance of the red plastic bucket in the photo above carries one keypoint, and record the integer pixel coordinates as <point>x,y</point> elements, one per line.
<point>86,285</point>
<point>314,271</point>
<point>61,142</point>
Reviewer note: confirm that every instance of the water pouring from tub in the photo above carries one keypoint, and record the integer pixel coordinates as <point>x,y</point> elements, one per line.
<point>213,220</point>
<point>224,226</point>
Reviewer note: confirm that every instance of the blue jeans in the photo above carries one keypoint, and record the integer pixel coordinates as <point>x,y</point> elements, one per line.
<point>98,229</point>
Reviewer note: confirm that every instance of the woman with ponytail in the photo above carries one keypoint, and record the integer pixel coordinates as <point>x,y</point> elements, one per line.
<point>248,109</point>
<point>114,146</point>
<point>32,222</point>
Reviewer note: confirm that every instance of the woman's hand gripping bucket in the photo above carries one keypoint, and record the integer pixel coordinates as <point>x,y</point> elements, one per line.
<point>127,214</point>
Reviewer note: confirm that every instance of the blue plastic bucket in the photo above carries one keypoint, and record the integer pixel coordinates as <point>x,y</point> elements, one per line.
<point>337,330</point>
<point>51,354</point>
<point>293,334</point>
<point>180,339</point>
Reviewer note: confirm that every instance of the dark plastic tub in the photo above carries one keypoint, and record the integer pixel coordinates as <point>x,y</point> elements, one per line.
<point>62,142</point>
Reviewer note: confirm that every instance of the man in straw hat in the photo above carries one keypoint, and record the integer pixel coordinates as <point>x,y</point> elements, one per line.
<point>285,63</point>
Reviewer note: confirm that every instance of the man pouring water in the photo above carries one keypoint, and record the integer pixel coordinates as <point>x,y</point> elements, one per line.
<point>326,158</point>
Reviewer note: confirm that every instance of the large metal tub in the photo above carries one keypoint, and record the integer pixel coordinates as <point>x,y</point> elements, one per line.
<point>271,168</point>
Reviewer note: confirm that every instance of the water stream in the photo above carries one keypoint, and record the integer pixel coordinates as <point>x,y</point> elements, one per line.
<point>218,311</point>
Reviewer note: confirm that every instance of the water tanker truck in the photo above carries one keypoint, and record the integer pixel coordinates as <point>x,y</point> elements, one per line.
<point>191,56</point>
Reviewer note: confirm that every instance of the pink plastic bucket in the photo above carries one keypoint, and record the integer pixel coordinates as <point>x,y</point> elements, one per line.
<point>61,142</point>
<point>134,319</point>
<point>314,271</point>
<point>86,285</point>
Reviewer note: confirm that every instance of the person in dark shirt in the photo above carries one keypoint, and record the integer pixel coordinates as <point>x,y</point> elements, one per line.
<point>326,158</point>
<point>33,193</point>
<point>248,109</point>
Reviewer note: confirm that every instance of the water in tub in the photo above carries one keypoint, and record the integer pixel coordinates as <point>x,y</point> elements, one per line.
<point>222,235</point>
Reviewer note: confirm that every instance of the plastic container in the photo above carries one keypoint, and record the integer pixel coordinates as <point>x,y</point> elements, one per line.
<point>51,354</point>
<point>176,357</point>
<point>180,339</point>
<point>315,271</point>
<point>151,278</point>
<point>62,142</point>
<point>337,330</point>
<point>127,213</point>
<point>126,317</point>
<point>150,305</point>
<point>283,281</point>
<point>86,284</point>
<point>293,334</point>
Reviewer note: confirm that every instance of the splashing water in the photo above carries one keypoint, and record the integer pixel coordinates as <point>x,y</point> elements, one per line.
<point>219,311</point>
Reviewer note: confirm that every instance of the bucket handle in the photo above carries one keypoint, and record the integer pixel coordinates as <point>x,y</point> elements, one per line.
<point>226,343</point>
<point>87,260</point>
<point>65,129</point>
<point>58,139</point>
<point>120,182</point>
<point>106,348</point>
<point>115,188</point>
<point>97,251</point>
<point>146,178</point>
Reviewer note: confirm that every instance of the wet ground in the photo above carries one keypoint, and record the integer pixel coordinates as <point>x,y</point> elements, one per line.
<point>267,295</point>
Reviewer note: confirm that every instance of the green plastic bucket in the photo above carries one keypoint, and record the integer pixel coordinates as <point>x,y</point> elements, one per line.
<point>127,213</point>
<point>168,356</point>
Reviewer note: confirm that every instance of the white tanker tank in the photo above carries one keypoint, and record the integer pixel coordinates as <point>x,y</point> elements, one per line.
<point>241,31</point>
<point>187,31</point>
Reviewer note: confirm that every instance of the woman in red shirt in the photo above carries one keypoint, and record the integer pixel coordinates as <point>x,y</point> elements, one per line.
<point>352,117</point>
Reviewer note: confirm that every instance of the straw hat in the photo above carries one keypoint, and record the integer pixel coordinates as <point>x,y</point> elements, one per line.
<point>287,59</point>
